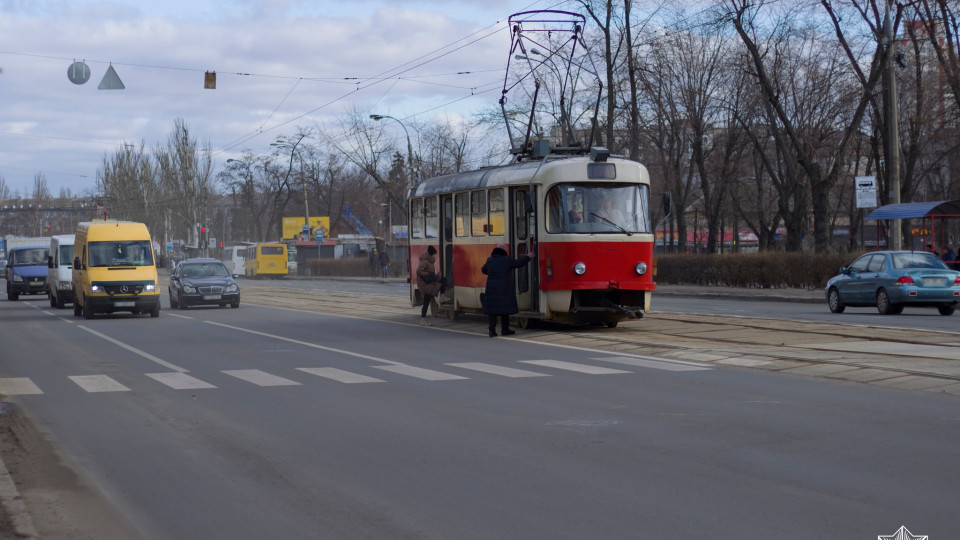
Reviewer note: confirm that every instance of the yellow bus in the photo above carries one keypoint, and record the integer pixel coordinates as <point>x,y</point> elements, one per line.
<point>266,260</point>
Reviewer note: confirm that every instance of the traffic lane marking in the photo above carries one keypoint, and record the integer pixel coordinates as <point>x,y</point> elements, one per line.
<point>304,343</point>
<point>135,350</point>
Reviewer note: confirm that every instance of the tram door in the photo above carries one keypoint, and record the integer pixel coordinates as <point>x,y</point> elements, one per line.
<point>521,231</point>
<point>446,242</point>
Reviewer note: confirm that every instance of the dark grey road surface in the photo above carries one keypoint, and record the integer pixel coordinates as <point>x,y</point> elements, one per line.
<point>258,422</point>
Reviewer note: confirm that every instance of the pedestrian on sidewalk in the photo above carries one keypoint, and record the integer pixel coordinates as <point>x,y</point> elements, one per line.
<point>428,282</point>
<point>500,299</point>
<point>384,263</point>
<point>373,261</point>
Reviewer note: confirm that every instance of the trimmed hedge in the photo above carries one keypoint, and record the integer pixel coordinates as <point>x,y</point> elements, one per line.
<point>359,267</point>
<point>766,270</point>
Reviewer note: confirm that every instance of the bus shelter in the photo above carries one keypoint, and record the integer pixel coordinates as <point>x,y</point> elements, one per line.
<point>934,216</point>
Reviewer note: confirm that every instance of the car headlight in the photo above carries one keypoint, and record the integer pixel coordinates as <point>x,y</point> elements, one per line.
<point>641,268</point>
<point>96,289</point>
<point>232,288</point>
<point>189,290</point>
<point>17,278</point>
<point>64,285</point>
<point>150,287</point>
<point>579,268</point>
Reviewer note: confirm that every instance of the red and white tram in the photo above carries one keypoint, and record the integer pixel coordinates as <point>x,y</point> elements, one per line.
<point>587,217</point>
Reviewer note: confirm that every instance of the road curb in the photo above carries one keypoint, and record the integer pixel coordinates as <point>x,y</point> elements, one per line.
<point>10,497</point>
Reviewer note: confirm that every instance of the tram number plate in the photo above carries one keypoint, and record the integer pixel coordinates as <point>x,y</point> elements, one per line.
<point>124,304</point>
<point>211,297</point>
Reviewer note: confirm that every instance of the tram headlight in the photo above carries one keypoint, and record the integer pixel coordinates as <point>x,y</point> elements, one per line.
<point>579,269</point>
<point>641,268</point>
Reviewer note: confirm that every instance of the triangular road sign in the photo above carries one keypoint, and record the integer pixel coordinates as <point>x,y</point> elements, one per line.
<point>110,80</point>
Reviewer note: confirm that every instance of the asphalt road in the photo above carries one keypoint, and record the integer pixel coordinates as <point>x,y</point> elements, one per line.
<point>262,422</point>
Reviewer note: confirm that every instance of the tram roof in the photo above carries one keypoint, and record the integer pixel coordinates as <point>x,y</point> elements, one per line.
<point>480,178</point>
<point>493,176</point>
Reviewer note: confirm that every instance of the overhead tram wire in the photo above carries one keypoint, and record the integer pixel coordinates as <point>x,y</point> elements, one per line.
<point>377,78</point>
<point>360,86</point>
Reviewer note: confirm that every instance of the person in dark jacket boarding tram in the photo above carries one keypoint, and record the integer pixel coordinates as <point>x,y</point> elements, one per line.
<point>500,299</point>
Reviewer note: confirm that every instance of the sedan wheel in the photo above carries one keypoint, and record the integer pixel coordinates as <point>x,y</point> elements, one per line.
<point>884,306</point>
<point>946,309</point>
<point>173,302</point>
<point>833,300</point>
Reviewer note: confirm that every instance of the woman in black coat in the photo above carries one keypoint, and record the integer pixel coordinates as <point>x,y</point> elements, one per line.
<point>500,298</point>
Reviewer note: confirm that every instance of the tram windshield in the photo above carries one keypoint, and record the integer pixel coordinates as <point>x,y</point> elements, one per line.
<point>598,208</point>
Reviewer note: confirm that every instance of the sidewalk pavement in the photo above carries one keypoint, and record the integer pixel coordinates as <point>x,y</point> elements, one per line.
<point>813,296</point>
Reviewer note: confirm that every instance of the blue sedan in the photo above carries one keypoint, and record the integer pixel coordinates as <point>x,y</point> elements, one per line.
<point>891,280</point>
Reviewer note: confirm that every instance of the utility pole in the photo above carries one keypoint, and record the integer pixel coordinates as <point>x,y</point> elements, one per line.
<point>893,128</point>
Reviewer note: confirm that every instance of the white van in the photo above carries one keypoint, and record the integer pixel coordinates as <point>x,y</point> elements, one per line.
<point>60,270</point>
<point>233,258</point>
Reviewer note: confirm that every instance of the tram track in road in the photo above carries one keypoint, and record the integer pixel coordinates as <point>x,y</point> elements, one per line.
<point>878,355</point>
<point>758,338</point>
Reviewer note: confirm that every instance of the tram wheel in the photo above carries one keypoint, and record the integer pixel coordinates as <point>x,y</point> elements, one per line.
<point>527,322</point>
<point>612,324</point>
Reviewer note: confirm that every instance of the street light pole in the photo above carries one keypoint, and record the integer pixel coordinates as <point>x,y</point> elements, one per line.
<point>379,117</point>
<point>412,169</point>
<point>285,143</point>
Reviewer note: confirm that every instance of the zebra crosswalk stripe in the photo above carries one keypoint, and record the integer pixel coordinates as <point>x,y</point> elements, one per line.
<point>180,381</point>
<point>18,386</point>
<point>340,375</point>
<point>498,370</point>
<point>260,378</point>
<point>98,383</point>
<point>571,366</point>
<point>420,373</point>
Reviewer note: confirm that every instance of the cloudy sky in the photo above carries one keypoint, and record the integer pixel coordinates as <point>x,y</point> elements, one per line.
<point>280,64</point>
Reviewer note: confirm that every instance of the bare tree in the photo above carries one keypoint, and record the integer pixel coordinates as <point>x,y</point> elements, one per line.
<point>812,109</point>
<point>128,187</point>
<point>246,182</point>
<point>184,174</point>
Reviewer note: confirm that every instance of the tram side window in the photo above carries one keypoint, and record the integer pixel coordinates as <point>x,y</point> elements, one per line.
<point>554,210</point>
<point>495,203</point>
<point>431,216</point>
<point>462,202</point>
<point>478,210</point>
<point>416,219</point>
